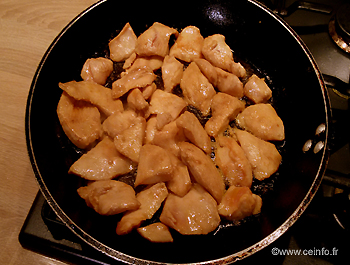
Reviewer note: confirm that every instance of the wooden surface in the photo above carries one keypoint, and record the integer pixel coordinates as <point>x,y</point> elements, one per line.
<point>26,30</point>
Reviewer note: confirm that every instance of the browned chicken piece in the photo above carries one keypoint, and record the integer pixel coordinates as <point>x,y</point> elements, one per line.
<point>109,197</point>
<point>97,70</point>
<point>102,162</point>
<point>156,233</point>
<point>238,203</point>
<point>136,78</point>
<point>263,156</point>
<point>188,46</point>
<point>202,169</point>
<point>96,94</point>
<point>165,103</point>
<point>151,129</point>
<point>257,90</point>
<point>155,40</point>
<point>262,121</point>
<point>172,71</point>
<point>181,182</point>
<point>129,141</point>
<point>169,137</point>
<point>233,162</point>
<point>136,101</point>
<point>154,165</point>
<point>219,54</point>
<point>118,122</point>
<point>128,62</point>
<point>152,62</point>
<point>80,121</point>
<point>151,199</point>
<point>194,131</point>
<point>224,109</point>
<point>122,46</point>
<point>197,90</point>
<point>148,91</point>
<point>222,80</point>
<point>193,214</point>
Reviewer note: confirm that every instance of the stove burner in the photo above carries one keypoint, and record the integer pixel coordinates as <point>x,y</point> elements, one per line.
<point>339,27</point>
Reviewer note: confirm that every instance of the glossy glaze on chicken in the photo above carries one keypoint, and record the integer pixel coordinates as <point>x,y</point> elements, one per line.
<point>178,117</point>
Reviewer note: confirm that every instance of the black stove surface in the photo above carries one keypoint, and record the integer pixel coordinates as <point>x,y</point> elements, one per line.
<point>321,235</point>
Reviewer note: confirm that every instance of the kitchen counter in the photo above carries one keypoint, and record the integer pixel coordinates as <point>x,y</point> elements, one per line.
<point>26,30</point>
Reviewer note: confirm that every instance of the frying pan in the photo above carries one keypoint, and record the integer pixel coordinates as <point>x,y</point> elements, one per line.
<point>257,37</point>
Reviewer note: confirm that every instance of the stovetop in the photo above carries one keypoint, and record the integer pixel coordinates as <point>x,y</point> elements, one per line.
<point>321,234</point>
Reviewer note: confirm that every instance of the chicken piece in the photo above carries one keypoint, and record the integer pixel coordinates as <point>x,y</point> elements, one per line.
<point>109,197</point>
<point>224,109</point>
<point>169,137</point>
<point>257,90</point>
<point>80,121</point>
<point>202,169</point>
<point>102,162</point>
<point>219,54</point>
<point>136,78</point>
<point>262,121</point>
<point>156,233</point>
<point>131,59</point>
<point>193,214</point>
<point>152,62</point>
<point>180,183</point>
<point>196,88</point>
<point>148,91</point>
<point>122,46</point>
<point>97,70</point>
<point>222,80</point>
<point>136,101</point>
<point>172,71</point>
<point>263,156</point>
<point>151,129</point>
<point>129,141</point>
<point>96,94</point>
<point>154,165</point>
<point>194,131</point>
<point>188,46</point>
<point>165,103</point>
<point>238,203</point>
<point>118,122</point>
<point>155,40</point>
<point>233,163</point>
<point>151,199</point>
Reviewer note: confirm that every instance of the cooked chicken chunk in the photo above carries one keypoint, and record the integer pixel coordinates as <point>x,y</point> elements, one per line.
<point>222,80</point>
<point>97,70</point>
<point>101,163</point>
<point>263,156</point>
<point>262,121</point>
<point>233,162</point>
<point>202,169</point>
<point>180,183</point>
<point>156,232</point>
<point>131,59</point>
<point>151,129</point>
<point>80,121</point>
<point>148,91</point>
<point>194,131</point>
<point>219,54</point>
<point>193,214</point>
<point>257,90</point>
<point>109,197</point>
<point>118,122</point>
<point>155,40</point>
<point>196,88</point>
<point>238,203</point>
<point>136,101</point>
<point>188,46</point>
<point>122,46</point>
<point>129,141</point>
<point>151,199</point>
<point>224,109</point>
<point>96,94</point>
<point>172,71</point>
<point>136,78</point>
<point>154,165</point>
<point>152,62</point>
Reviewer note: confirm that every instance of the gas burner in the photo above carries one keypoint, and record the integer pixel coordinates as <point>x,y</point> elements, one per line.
<point>339,27</point>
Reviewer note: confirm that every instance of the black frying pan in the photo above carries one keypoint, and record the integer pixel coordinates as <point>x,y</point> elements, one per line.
<point>257,37</point>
